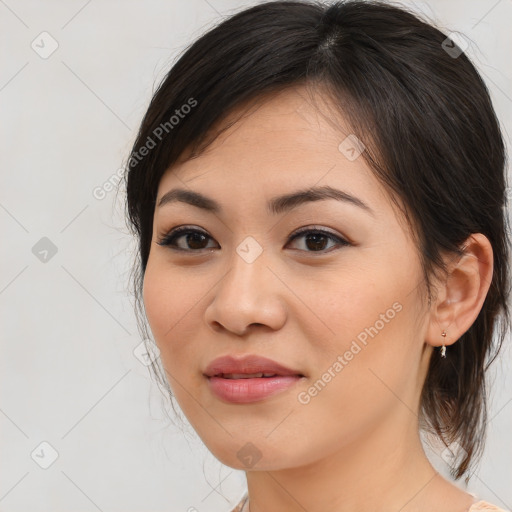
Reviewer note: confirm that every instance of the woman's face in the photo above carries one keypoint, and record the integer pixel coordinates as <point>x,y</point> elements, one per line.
<point>347,316</point>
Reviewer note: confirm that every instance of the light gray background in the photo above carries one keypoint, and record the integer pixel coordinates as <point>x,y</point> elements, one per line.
<point>69,374</point>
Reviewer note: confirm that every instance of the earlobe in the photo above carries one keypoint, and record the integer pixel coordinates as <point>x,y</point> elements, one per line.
<point>462,294</point>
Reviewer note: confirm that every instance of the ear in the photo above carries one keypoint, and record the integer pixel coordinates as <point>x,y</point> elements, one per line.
<point>461,295</point>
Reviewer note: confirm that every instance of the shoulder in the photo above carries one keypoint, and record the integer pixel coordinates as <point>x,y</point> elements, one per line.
<point>484,506</point>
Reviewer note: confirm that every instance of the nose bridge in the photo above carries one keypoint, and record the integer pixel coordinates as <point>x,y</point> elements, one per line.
<point>247,269</point>
<point>245,295</point>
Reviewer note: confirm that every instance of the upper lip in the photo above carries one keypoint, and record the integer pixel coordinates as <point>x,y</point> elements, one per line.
<point>247,364</point>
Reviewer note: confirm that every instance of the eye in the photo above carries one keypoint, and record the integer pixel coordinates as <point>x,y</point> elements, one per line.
<point>315,239</point>
<point>194,239</point>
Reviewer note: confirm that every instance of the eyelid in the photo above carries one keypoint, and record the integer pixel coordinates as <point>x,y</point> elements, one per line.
<point>319,229</point>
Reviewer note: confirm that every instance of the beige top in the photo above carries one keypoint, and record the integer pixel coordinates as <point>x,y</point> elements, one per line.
<point>483,505</point>
<point>476,507</point>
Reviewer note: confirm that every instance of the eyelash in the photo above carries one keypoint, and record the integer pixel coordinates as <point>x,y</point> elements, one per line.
<point>169,239</point>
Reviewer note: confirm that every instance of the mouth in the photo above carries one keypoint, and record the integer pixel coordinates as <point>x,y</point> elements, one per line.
<point>259,375</point>
<point>246,388</point>
<point>250,379</point>
<point>248,367</point>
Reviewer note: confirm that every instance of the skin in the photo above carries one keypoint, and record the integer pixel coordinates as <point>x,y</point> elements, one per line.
<point>355,446</point>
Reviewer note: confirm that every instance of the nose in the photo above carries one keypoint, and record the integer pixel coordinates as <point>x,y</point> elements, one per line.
<point>249,294</point>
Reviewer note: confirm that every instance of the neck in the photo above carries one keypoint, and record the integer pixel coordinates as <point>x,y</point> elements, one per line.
<point>385,470</point>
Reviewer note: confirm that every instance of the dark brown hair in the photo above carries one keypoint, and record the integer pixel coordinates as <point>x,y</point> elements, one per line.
<point>431,135</point>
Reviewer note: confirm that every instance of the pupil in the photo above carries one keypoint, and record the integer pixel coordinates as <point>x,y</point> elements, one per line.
<point>196,236</point>
<point>315,237</point>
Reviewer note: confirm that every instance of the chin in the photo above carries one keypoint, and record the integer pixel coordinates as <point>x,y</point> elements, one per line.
<point>247,455</point>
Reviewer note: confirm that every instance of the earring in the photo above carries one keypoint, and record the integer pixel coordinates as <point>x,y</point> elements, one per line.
<point>443,348</point>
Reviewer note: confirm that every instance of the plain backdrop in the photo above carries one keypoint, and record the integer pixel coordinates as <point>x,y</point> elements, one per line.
<point>82,423</point>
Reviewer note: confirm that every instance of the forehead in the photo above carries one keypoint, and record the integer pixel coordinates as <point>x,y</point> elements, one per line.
<point>277,143</point>
<point>293,125</point>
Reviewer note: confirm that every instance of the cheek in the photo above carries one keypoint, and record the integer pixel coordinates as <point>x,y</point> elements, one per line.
<point>169,301</point>
<point>347,302</point>
<point>155,299</point>
<point>364,372</point>
<point>369,340</point>
<point>161,302</point>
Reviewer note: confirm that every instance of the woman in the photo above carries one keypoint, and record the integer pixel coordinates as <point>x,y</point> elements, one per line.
<point>318,194</point>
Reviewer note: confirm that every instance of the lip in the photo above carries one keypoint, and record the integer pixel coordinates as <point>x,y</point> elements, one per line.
<point>247,364</point>
<point>247,390</point>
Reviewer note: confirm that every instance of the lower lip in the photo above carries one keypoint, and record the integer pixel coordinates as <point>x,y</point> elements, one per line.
<point>243,391</point>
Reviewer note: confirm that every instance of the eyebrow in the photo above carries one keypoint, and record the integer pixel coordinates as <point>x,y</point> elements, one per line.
<point>276,205</point>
